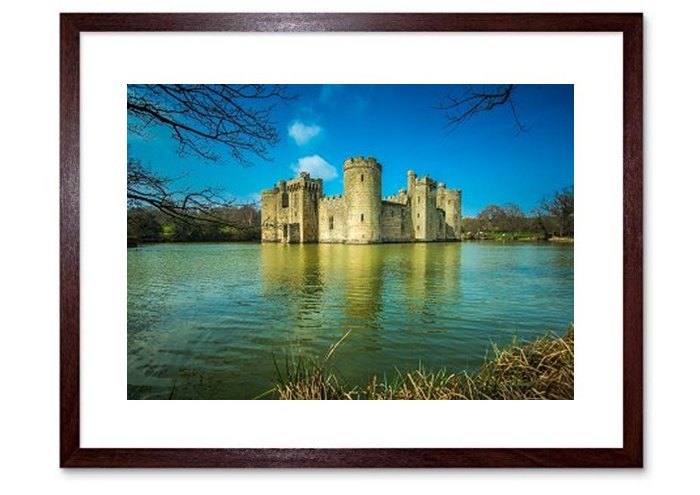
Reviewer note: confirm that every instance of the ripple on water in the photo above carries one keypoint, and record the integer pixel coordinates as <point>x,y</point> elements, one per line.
<point>204,320</point>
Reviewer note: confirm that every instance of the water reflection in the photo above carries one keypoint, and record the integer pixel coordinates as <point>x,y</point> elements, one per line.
<point>360,281</point>
<point>205,320</point>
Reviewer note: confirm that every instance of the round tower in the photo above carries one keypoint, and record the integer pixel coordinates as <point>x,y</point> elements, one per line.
<point>362,182</point>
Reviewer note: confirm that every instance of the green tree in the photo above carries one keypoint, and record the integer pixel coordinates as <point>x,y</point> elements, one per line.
<point>143,225</point>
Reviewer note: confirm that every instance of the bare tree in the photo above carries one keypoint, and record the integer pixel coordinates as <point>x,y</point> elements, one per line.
<point>145,187</point>
<point>491,218</point>
<point>513,218</point>
<point>207,121</point>
<point>474,100</point>
<point>560,205</point>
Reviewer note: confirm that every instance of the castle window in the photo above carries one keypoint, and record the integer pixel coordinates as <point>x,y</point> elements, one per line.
<point>362,177</point>
<point>285,200</point>
<point>418,199</point>
<point>419,215</point>
<point>362,217</point>
<point>417,227</point>
<point>330,223</point>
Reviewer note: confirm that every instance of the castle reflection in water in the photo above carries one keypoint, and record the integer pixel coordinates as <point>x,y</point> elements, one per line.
<point>361,284</point>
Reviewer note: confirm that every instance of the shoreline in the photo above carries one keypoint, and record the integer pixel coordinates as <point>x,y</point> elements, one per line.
<point>542,369</point>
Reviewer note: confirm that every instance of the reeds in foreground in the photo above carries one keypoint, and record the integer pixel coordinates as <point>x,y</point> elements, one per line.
<point>542,369</point>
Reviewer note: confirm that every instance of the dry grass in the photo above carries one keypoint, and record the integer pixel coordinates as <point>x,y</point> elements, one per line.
<point>542,369</point>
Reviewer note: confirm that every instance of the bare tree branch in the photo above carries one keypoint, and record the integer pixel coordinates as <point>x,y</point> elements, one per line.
<point>206,119</point>
<point>144,187</point>
<point>473,101</point>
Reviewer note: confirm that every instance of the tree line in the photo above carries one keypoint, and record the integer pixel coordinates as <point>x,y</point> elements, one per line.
<point>553,217</point>
<point>147,224</point>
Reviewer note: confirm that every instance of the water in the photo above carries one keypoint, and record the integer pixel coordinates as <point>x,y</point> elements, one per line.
<point>204,320</point>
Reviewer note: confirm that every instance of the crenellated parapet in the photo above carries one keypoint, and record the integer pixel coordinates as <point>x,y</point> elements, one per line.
<point>304,181</point>
<point>362,162</point>
<point>400,198</point>
<point>332,200</point>
<point>427,181</point>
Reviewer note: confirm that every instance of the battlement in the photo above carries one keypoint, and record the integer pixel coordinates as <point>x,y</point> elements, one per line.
<point>361,162</point>
<point>400,198</point>
<point>337,198</point>
<point>303,181</point>
<point>431,183</point>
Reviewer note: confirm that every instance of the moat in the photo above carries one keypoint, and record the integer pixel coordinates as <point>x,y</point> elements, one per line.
<point>204,320</point>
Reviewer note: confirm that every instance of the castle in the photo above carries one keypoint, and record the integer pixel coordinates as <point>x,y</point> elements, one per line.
<point>296,211</point>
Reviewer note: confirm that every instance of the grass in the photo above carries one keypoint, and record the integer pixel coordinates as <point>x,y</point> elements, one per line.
<point>541,369</point>
<point>524,236</point>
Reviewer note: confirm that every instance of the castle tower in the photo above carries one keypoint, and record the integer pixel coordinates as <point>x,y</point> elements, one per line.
<point>424,209</point>
<point>362,182</point>
<point>302,217</point>
<point>453,213</point>
<point>410,183</point>
<point>268,217</point>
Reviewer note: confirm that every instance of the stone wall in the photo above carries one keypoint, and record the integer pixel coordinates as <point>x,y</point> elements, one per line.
<point>396,222</point>
<point>332,224</point>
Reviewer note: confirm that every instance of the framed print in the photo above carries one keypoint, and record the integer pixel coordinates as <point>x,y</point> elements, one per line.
<point>350,240</point>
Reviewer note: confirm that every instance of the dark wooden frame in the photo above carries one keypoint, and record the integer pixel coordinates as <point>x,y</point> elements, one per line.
<point>72,455</point>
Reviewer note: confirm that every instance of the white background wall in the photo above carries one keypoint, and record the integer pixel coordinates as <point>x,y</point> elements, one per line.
<point>29,267</point>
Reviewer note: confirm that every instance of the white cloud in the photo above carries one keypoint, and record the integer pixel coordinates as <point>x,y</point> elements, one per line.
<point>303,133</point>
<point>316,166</point>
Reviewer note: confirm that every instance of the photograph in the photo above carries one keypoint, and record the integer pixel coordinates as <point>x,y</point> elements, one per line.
<point>350,241</point>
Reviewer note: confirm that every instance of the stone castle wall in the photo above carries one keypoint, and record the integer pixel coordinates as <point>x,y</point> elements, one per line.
<point>296,211</point>
<point>396,222</point>
<point>332,219</point>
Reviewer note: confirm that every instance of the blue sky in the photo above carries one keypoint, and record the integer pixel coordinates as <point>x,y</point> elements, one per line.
<point>399,125</point>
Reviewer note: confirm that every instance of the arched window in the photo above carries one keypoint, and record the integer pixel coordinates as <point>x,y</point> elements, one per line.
<point>362,217</point>
<point>330,223</point>
<point>362,177</point>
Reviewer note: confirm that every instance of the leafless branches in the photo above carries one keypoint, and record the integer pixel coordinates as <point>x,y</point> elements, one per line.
<point>206,119</point>
<point>560,205</point>
<point>474,100</point>
<point>144,187</point>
